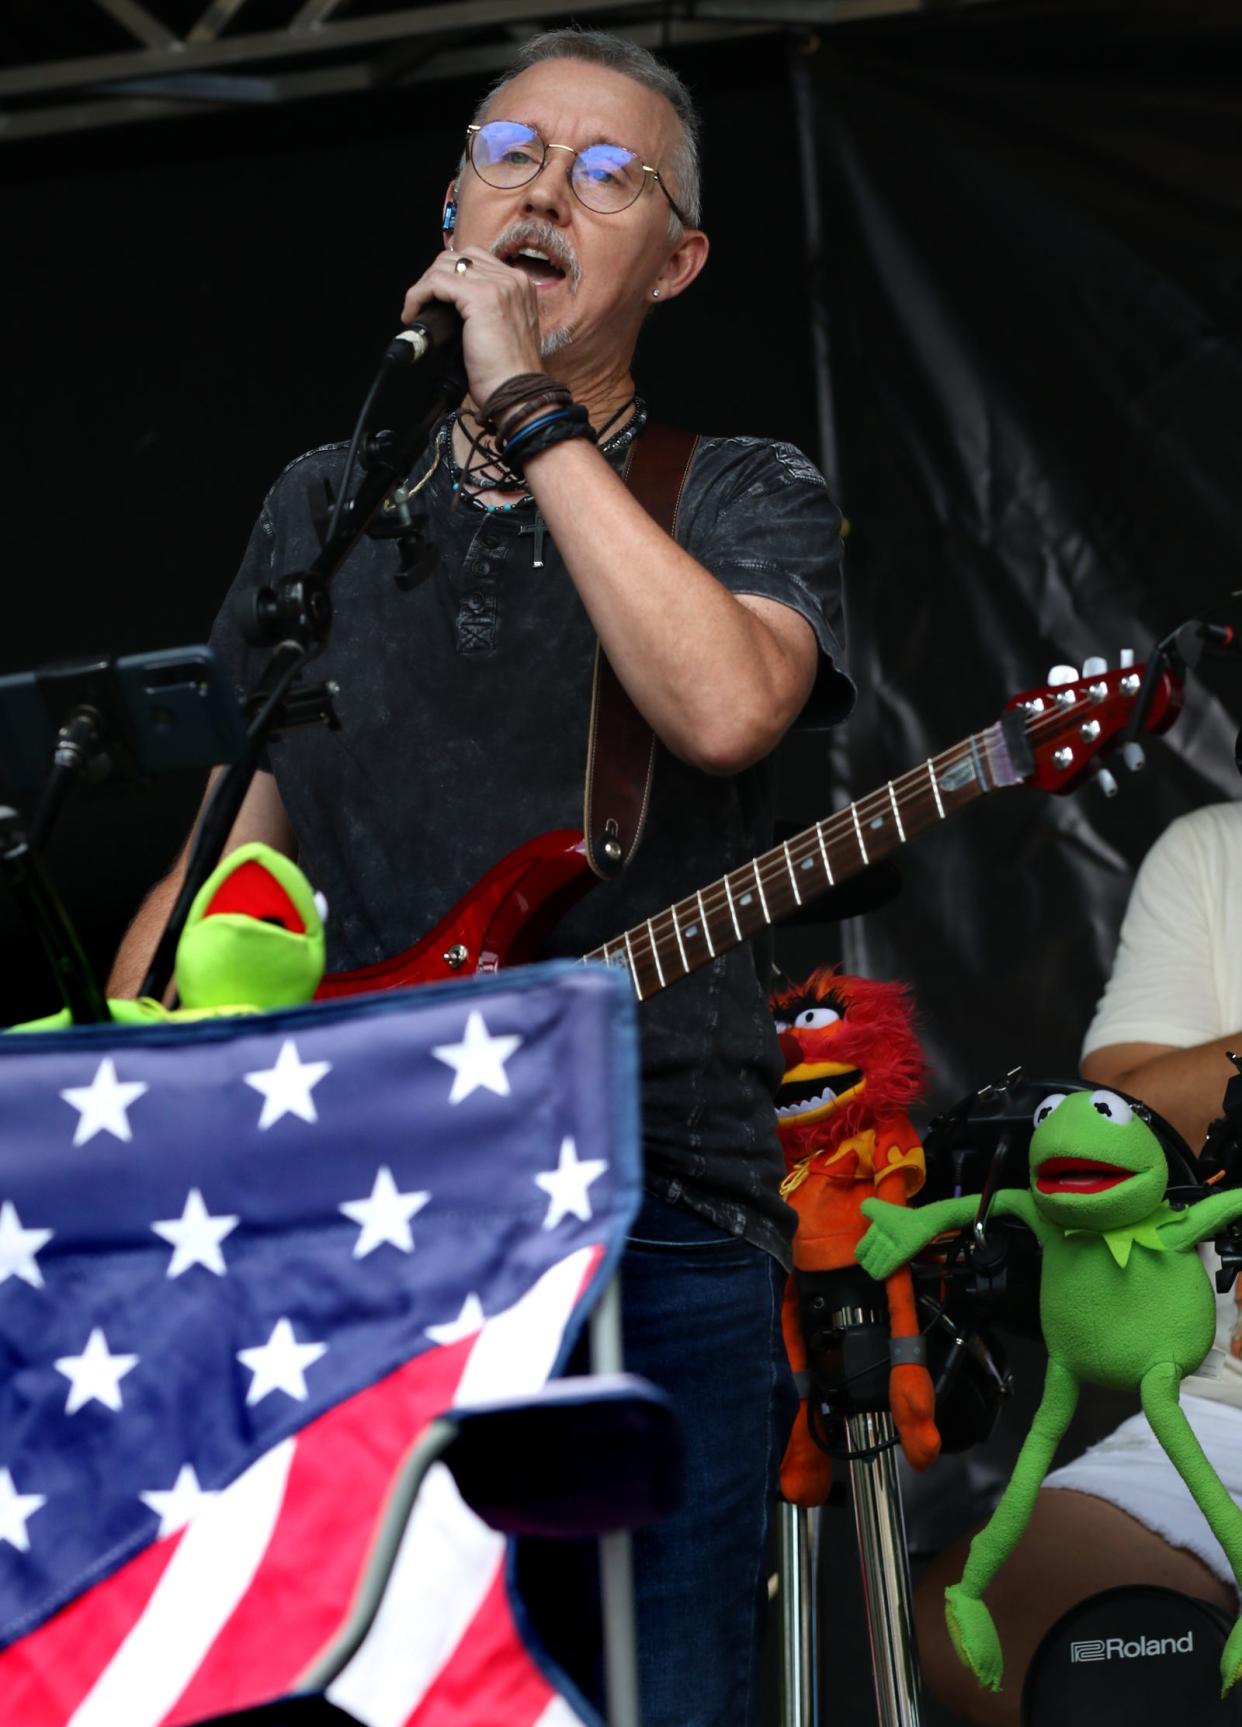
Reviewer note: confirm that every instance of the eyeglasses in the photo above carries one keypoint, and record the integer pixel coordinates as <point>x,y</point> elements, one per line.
<point>607,178</point>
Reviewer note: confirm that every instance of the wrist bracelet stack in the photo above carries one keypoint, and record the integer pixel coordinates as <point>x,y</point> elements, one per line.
<point>554,428</point>
<point>510,404</point>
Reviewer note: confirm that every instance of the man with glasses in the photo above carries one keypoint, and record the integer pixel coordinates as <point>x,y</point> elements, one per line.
<point>465,693</point>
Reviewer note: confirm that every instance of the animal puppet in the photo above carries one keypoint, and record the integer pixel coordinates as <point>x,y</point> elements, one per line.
<point>253,940</point>
<point>852,1068</point>
<point>1124,1302</point>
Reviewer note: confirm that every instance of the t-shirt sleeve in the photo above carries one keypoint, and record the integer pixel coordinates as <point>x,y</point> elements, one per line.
<point>758,515</point>
<point>241,659</point>
<point>1162,989</point>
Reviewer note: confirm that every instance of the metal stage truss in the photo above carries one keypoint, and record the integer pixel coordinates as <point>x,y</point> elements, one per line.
<point>73,65</point>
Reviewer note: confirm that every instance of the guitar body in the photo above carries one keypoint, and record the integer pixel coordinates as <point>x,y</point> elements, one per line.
<point>1047,738</point>
<point>502,921</point>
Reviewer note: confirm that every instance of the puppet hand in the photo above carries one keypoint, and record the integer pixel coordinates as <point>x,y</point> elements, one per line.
<point>895,1236</point>
<point>912,1398</point>
<point>973,1632</point>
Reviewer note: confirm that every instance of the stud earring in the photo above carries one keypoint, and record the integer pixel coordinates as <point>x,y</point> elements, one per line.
<point>655,293</point>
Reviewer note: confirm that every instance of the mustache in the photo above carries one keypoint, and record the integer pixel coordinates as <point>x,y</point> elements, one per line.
<point>530,231</point>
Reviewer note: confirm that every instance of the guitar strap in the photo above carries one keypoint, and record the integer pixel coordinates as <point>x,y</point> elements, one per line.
<point>621,746</point>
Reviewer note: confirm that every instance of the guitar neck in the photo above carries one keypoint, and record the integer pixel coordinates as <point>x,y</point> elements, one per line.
<point>693,932</point>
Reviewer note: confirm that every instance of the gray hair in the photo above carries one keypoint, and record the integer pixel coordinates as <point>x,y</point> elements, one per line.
<point>617,54</point>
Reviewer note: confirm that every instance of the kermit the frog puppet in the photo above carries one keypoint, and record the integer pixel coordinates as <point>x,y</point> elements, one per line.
<point>253,940</point>
<point>1124,1302</point>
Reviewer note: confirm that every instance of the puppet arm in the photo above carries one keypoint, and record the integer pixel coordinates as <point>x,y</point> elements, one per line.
<point>1203,1220</point>
<point>896,1234</point>
<point>911,1391</point>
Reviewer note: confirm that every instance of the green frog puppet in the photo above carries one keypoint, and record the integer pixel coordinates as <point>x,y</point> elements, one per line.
<point>1124,1302</point>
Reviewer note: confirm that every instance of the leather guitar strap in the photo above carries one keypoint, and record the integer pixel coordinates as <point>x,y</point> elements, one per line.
<point>621,746</point>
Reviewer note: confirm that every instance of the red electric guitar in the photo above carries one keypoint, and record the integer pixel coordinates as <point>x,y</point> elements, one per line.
<point>1048,738</point>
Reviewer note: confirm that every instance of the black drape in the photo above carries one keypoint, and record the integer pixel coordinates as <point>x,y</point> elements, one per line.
<point>1033,291</point>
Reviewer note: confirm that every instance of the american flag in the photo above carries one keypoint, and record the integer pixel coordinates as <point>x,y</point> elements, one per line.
<point>242,1264</point>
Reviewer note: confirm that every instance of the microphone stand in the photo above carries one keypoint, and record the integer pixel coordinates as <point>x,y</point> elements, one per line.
<point>23,873</point>
<point>295,615</point>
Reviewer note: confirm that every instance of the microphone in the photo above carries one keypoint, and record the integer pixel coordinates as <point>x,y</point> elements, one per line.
<point>437,329</point>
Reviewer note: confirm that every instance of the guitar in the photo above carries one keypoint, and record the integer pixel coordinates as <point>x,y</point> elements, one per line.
<point>1049,738</point>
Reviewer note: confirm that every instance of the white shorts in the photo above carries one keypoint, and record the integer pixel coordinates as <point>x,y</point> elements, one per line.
<point>1130,1470</point>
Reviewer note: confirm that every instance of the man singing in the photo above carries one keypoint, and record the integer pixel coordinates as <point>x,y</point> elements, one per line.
<point>464,702</point>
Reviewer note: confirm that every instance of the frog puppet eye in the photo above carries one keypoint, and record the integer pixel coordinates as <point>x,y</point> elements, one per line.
<point>815,1018</point>
<point>1112,1107</point>
<point>1045,1109</point>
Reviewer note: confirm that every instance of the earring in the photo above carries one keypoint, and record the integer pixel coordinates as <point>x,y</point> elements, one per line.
<point>655,293</point>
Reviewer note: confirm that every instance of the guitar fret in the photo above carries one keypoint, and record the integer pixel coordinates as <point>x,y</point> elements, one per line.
<point>819,834</point>
<point>629,953</point>
<point>767,915</point>
<point>732,913</point>
<point>892,798</point>
<point>655,953</point>
<point>858,830</point>
<point>935,789</point>
<point>793,880</point>
<point>685,963</point>
<point>707,928</point>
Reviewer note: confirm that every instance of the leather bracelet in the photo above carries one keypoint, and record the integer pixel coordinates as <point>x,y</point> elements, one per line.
<point>554,429</point>
<point>515,390</point>
<point>504,427</point>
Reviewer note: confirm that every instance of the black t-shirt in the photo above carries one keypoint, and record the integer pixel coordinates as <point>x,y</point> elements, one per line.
<point>464,703</point>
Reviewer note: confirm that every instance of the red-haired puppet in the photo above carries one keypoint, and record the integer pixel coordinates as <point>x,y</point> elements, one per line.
<point>853,1066</point>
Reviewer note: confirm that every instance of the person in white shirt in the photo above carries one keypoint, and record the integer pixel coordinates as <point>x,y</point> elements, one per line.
<point>1120,1514</point>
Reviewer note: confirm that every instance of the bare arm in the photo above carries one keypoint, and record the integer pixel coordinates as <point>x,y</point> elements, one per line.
<point>719,677</point>
<point>261,817</point>
<point>1185,1085</point>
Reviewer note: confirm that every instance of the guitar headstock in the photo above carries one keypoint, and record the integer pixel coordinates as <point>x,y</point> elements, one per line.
<point>1071,725</point>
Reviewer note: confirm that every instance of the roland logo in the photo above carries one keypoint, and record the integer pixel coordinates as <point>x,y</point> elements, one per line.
<point>1130,1649</point>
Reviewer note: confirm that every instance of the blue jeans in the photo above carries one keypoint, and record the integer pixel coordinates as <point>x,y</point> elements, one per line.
<point>701,1319</point>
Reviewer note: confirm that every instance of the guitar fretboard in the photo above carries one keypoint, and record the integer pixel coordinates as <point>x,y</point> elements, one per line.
<point>694,931</point>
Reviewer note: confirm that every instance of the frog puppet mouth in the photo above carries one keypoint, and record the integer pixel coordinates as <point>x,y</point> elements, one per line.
<point>1079,1175</point>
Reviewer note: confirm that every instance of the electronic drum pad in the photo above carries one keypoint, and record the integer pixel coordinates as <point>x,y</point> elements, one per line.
<point>1132,1657</point>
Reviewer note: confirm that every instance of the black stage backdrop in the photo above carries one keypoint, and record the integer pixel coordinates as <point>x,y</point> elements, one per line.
<point>1031,281</point>
<point>1032,278</point>
<point>190,304</point>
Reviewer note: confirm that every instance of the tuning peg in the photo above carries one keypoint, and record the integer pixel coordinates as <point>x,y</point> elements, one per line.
<point>1132,754</point>
<point>1063,675</point>
<point>1106,780</point>
<point>1125,658</point>
<point>1094,667</point>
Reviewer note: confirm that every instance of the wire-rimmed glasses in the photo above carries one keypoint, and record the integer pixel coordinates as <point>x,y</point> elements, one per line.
<point>606,178</point>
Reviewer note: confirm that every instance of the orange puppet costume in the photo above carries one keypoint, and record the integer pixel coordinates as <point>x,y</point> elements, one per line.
<point>853,1066</point>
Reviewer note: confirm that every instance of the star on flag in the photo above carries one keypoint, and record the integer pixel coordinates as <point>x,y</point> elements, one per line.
<point>567,1184</point>
<point>287,1086</point>
<point>385,1215</point>
<point>103,1105</point>
<point>280,1364</point>
<point>181,1502</point>
<point>19,1246</point>
<point>16,1509</point>
<point>478,1061</point>
<point>95,1375</point>
<point>195,1236</point>
<point>468,1321</point>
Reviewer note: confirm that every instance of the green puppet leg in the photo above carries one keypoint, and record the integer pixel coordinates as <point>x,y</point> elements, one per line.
<point>1159,1391</point>
<point>970,1624</point>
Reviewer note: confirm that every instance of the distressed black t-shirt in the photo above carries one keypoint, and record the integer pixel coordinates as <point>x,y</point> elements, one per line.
<point>464,703</point>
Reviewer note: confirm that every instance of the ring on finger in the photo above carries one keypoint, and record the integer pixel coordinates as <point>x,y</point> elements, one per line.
<point>462,265</point>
